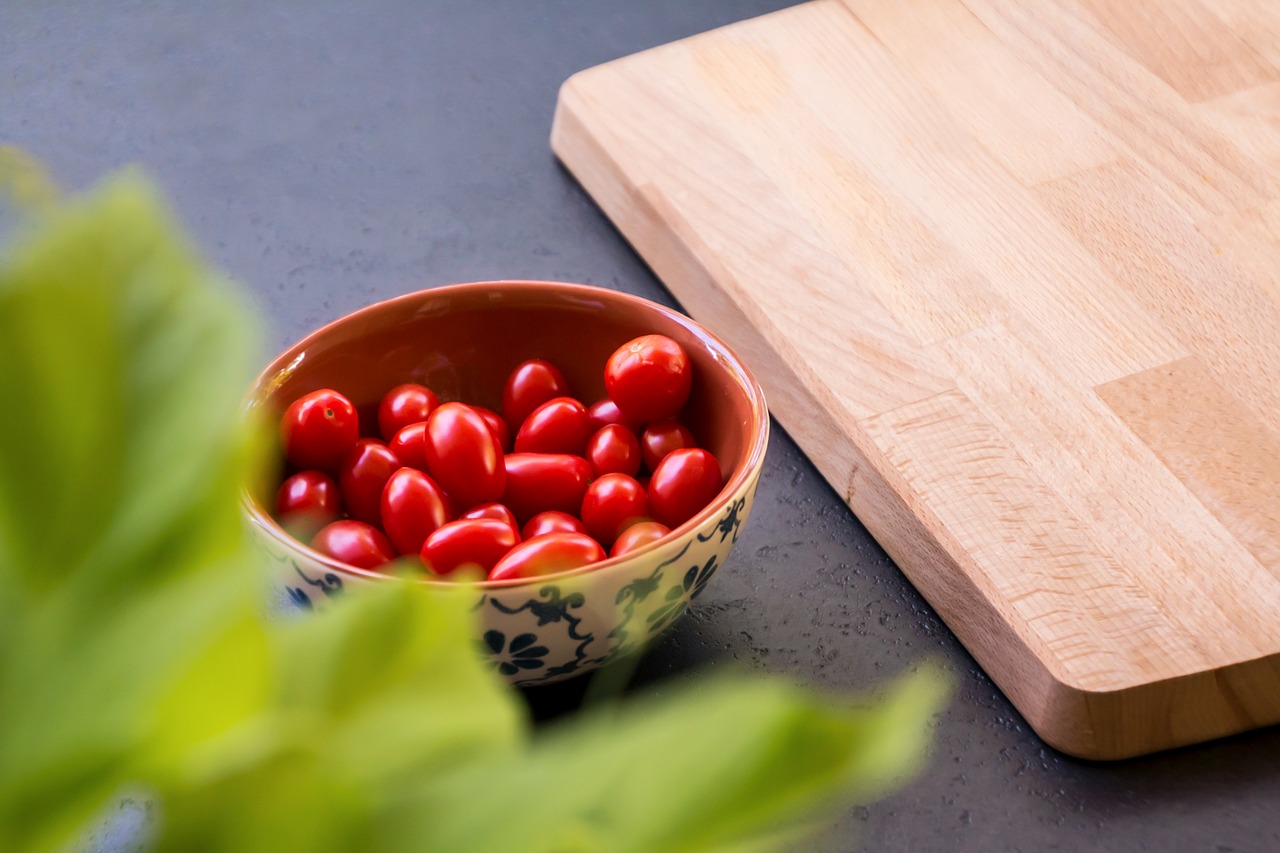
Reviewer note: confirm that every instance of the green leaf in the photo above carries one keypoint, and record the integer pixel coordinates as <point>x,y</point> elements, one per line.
<point>121,354</point>
<point>718,765</point>
<point>122,556</point>
<point>397,684</point>
<point>135,653</point>
<point>368,697</point>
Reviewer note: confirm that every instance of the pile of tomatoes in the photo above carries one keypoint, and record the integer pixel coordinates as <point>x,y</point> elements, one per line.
<point>549,484</point>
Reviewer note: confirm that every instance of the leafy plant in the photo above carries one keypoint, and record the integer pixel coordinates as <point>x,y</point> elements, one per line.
<point>136,653</point>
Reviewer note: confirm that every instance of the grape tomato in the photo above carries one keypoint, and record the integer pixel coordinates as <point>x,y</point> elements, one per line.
<point>319,429</point>
<point>604,412</point>
<point>403,405</point>
<point>492,510</point>
<point>684,482</point>
<point>637,536</point>
<point>531,384</point>
<point>362,477</point>
<point>660,438</point>
<point>413,507</point>
<point>474,544</point>
<point>552,521</point>
<point>546,555</point>
<point>612,504</point>
<point>354,543</point>
<point>497,426</point>
<point>559,425</point>
<point>541,481</point>
<point>463,455</point>
<point>649,378</point>
<point>311,494</point>
<point>410,446</point>
<point>614,449</point>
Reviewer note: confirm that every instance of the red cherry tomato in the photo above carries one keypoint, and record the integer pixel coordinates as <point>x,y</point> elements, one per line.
<point>309,497</point>
<point>604,412</point>
<point>637,536</point>
<point>552,521</point>
<point>319,429</point>
<point>497,426</point>
<point>473,544</point>
<point>611,505</point>
<point>546,555</point>
<point>404,405</point>
<point>614,450</point>
<point>530,385</point>
<point>363,475</point>
<point>662,437</point>
<point>464,455</point>
<point>354,543</point>
<point>685,481</point>
<point>542,481</point>
<point>413,507</point>
<point>559,425</point>
<point>493,510</point>
<point>649,378</point>
<point>410,446</point>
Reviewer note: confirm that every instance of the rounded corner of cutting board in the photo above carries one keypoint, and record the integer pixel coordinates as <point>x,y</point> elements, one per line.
<point>1066,720</point>
<point>1144,717</point>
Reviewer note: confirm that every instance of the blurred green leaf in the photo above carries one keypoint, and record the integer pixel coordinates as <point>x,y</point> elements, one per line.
<point>121,551</point>
<point>726,763</point>
<point>398,684</point>
<point>367,699</point>
<point>135,653</point>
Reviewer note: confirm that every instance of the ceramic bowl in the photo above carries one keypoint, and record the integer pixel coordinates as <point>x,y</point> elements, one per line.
<point>462,341</point>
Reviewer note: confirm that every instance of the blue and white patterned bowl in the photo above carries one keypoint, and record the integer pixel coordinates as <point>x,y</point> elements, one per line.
<point>461,340</point>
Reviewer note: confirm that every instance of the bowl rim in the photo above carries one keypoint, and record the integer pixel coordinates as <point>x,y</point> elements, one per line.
<point>758,438</point>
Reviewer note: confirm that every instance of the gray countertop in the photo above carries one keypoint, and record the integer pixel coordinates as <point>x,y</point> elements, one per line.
<point>329,155</point>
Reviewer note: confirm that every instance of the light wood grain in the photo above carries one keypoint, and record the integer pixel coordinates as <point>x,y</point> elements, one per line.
<point>1010,273</point>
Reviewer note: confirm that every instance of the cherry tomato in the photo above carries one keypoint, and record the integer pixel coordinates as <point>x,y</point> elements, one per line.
<point>649,378</point>
<point>404,405</point>
<point>611,505</point>
<point>546,555</point>
<point>559,425</point>
<point>614,450</point>
<point>637,536</point>
<point>660,438</point>
<point>410,446</point>
<point>604,412</point>
<point>354,543</point>
<point>530,385</point>
<point>363,475</point>
<point>497,426</point>
<point>685,481</point>
<point>493,510</point>
<point>319,429</point>
<point>473,544</point>
<point>464,455</point>
<point>308,497</point>
<point>552,521</point>
<point>413,507</point>
<point>542,481</point>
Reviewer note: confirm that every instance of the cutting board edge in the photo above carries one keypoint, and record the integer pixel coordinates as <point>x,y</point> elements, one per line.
<point>1071,718</point>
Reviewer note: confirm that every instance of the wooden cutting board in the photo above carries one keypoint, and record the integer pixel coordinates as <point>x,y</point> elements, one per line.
<point>1010,273</point>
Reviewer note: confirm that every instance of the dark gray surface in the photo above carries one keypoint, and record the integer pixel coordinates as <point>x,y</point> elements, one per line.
<point>331,155</point>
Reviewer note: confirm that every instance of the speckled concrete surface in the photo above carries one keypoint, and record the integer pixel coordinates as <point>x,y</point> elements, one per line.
<point>329,155</point>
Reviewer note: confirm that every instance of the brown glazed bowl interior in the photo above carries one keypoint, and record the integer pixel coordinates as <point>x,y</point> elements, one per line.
<point>463,340</point>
